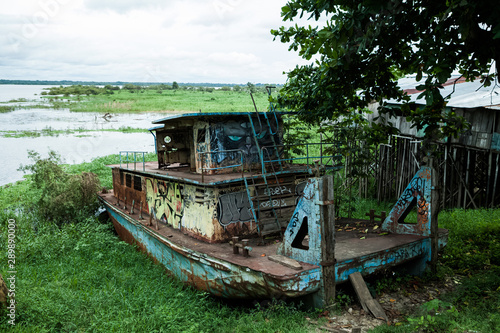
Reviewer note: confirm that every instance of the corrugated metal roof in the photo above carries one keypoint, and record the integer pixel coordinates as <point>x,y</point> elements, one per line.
<point>466,94</point>
<point>210,114</point>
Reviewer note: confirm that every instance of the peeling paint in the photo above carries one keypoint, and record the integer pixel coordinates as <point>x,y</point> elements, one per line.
<point>194,214</point>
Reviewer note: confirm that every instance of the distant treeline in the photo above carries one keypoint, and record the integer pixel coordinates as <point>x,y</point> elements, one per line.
<point>119,83</point>
<point>108,89</point>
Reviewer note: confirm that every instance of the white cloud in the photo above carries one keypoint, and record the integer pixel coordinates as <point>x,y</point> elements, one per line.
<point>225,41</point>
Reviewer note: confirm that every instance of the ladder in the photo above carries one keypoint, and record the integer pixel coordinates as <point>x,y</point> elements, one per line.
<point>266,201</point>
<point>260,203</point>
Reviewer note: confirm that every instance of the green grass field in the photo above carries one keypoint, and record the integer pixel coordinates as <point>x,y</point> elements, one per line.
<point>168,100</point>
<point>53,132</point>
<point>79,277</point>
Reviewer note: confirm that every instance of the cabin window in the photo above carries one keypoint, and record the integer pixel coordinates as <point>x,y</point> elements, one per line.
<point>300,241</point>
<point>201,135</point>
<point>167,139</point>
<point>137,183</point>
<point>199,195</point>
<point>128,180</point>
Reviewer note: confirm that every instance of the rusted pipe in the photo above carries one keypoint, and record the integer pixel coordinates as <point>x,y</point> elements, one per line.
<point>244,243</point>
<point>235,245</point>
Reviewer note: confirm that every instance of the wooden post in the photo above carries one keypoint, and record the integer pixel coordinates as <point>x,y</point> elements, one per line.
<point>244,246</point>
<point>371,214</point>
<point>235,245</point>
<point>434,214</point>
<point>327,286</point>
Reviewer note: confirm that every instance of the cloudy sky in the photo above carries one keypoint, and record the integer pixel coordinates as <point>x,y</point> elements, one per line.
<point>223,41</point>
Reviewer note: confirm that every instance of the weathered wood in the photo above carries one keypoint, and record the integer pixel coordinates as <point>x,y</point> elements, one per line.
<point>495,182</point>
<point>328,287</point>
<point>361,289</point>
<point>365,298</point>
<point>467,173</point>
<point>434,215</point>
<point>286,261</point>
<point>376,310</point>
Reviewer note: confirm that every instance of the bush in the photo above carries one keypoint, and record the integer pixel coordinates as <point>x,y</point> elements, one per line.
<point>59,196</point>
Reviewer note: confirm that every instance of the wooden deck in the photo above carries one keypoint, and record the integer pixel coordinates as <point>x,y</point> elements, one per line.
<point>354,239</point>
<point>184,173</point>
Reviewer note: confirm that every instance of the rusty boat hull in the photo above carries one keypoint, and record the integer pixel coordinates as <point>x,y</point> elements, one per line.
<point>229,210</point>
<point>212,274</point>
<point>214,268</point>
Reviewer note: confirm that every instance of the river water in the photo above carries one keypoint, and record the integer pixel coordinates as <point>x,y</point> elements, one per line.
<point>73,148</point>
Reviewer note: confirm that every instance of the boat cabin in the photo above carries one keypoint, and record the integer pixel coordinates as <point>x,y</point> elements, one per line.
<point>221,176</point>
<point>218,175</point>
<point>215,142</point>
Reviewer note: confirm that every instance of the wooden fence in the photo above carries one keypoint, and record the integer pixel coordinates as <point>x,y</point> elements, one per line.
<point>469,177</point>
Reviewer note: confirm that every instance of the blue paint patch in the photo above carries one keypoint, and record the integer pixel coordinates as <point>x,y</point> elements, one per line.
<point>218,277</point>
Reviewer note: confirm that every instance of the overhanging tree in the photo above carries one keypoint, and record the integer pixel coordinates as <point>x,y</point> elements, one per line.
<point>362,46</point>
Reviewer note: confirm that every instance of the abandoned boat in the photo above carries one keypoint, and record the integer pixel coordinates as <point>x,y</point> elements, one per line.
<point>229,210</point>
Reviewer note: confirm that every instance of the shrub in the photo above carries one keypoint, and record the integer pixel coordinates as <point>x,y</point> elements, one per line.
<point>59,196</point>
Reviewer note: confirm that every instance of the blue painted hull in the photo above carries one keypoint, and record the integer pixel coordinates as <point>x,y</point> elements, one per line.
<point>218,277</point>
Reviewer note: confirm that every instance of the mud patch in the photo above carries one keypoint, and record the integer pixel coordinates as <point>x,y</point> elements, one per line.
<point>398,305</point>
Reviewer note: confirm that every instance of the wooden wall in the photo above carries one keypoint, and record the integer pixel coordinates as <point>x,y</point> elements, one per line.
<point>469,176</point>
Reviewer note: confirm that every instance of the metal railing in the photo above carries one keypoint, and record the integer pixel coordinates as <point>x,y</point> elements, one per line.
<point>231,151</point>
<point>127,160</point>
<point>330,159</point>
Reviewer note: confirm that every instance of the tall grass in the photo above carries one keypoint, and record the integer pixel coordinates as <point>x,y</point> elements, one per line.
<point>6,108</point>
<point>48,131</point>
<point>473,254</point>
<point>80,277</point>
<point>169,100</point>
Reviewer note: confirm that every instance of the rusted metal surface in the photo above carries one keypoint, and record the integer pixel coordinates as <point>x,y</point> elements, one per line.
<point>184,173</point>
<point>235,277</point>
<point>417,193</point>
<point>209,213</point>
<point>304,222</point>
<point>215,269</point>
<point>185,220</point>
<point>381,252</point>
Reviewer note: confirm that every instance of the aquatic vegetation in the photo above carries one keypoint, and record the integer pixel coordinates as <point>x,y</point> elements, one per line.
<point>146,100</point>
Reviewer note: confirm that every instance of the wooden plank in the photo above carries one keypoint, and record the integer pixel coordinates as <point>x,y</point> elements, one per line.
<point>285,261</point>
<point>376,309</point>
<point>365,298</point>
<point>361,289</point>
<point>277,202</point>
<point>327,212</point>
<point>434,214</point>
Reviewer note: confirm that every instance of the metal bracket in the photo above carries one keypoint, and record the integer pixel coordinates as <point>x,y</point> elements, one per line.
<point>328,263</point>
<point>325,203</point>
